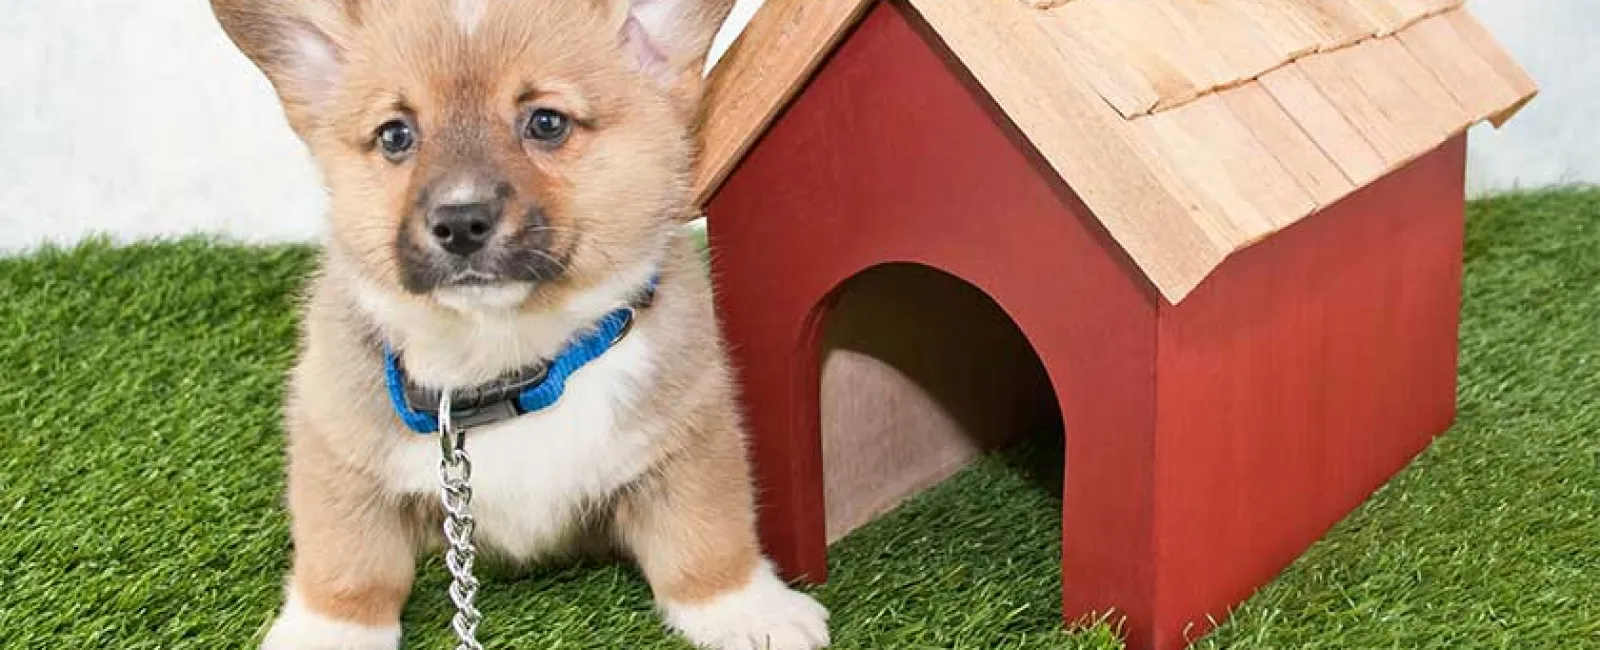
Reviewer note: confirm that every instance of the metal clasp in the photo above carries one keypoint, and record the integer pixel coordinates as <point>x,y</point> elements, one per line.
<point>452,442</point>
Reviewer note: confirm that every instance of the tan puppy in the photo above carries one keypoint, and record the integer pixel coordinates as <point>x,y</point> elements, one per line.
<point>504,174</point>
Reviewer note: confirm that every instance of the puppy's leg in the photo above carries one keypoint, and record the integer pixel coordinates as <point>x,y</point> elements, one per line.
<point>354,560</point>
<point>691,527</point>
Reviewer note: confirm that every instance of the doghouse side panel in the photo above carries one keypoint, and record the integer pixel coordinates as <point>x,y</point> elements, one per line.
<point>1299,378</point>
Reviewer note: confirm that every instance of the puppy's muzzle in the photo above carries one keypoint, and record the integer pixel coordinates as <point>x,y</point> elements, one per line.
<point>475,231</point>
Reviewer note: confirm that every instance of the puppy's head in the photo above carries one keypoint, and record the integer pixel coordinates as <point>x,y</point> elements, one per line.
<point>490,149</point>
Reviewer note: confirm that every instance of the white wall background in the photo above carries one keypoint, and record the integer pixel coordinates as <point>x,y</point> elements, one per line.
<point>1555,140</point>
<point>138,118</point>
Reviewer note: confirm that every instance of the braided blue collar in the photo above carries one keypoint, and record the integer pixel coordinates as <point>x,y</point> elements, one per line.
<point>530,389</point>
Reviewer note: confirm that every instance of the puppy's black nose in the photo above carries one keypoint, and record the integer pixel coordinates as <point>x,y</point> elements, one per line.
<point>463,229</point>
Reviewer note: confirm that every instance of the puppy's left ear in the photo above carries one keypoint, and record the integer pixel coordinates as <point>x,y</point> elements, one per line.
<point>670,40</point>
<point>296,43</point>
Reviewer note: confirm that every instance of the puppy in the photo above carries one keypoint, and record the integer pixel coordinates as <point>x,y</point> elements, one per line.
<point>505,180</point>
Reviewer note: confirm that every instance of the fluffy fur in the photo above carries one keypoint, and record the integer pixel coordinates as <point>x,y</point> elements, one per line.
<point>298,627</point>
<point>744,618</point>
<point>644,454</point>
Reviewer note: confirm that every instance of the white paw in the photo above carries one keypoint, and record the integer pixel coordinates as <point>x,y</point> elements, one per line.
<point>299,628</point>
<point>764,615</point>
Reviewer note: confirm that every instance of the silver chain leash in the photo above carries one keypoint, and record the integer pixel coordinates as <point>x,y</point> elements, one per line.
<point>455,493</point>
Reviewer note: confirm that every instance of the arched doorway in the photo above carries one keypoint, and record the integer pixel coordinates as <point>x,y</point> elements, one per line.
<point>920,373</point>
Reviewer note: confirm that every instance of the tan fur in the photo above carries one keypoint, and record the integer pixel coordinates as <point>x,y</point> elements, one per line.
<point>691,534</point>
<point>612,194</point>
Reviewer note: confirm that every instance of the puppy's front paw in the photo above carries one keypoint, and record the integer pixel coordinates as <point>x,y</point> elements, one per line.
<point>764,615</point>
<point>299,628</point>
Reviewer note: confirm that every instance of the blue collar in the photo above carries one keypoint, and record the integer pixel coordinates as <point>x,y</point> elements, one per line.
<point>531,389</point>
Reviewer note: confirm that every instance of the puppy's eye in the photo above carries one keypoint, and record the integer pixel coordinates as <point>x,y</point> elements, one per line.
<point>396,139</point>
<point>547,127</point>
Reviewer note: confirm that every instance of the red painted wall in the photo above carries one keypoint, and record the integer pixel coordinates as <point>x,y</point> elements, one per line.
<point>1302,375</point>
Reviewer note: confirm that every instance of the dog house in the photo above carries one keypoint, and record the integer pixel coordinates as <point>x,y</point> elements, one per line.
<point>1229,231</point>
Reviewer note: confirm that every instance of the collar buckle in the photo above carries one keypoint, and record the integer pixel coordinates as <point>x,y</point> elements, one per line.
<point>485,414</point>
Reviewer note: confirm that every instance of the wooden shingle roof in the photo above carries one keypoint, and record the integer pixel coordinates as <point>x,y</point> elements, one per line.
<point>1191,128</point>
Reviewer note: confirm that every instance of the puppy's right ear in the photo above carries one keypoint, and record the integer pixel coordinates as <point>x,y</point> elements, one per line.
<point>297,43</point>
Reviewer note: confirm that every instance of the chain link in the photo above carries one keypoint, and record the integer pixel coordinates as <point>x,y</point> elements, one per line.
<point>455,493</point>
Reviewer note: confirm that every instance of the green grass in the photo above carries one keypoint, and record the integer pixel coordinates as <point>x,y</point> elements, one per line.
<point>140,481</point>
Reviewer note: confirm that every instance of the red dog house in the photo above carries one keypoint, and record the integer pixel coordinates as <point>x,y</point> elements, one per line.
<point>1230,232</point>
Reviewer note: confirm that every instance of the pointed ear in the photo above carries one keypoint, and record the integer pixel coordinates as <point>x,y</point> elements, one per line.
<point>670,39</point>
<point>297,43</point>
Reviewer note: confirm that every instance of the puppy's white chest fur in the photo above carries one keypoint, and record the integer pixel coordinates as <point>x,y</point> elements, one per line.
<point>533,475</point>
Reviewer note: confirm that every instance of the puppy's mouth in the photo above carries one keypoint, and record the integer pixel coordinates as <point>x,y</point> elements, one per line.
<point>473,278</point>
<point>483,297</point>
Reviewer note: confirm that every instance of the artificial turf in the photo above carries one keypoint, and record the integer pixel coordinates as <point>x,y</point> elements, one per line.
<point>140,481</point>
